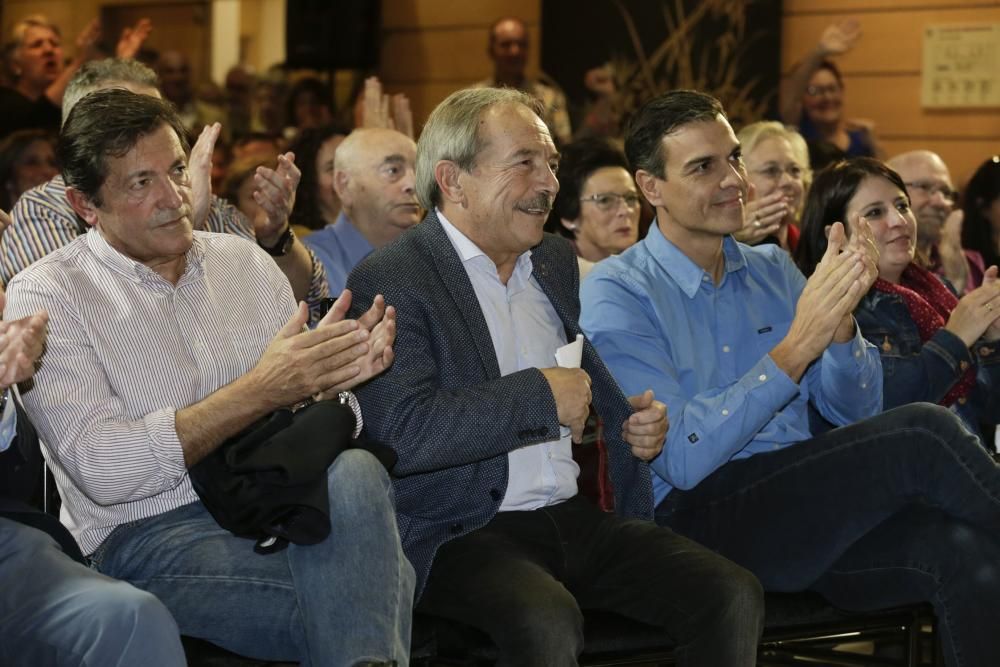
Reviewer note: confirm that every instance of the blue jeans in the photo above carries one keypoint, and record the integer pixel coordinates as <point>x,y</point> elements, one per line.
<point>344,600</point>
<point>55,611</point>
<point>900,508</point>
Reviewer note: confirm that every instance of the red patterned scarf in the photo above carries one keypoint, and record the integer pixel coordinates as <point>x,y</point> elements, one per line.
<point>930,304</point>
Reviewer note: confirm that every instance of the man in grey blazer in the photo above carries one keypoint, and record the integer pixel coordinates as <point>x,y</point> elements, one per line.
<point>486,491</point>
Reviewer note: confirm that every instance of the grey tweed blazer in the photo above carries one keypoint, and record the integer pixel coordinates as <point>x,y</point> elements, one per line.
<point>443,405</point>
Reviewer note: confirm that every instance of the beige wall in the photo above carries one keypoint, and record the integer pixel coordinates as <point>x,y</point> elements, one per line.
<point>434,47</point>
<point>882,73</point>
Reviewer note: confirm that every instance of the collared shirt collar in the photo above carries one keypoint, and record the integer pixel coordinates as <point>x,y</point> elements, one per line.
<point>355,245</point>
<point>467,251</point>
<point>682,268</point>
<point>138,272</point>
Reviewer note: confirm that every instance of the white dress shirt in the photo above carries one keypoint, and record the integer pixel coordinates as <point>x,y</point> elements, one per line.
<point>526,332</point>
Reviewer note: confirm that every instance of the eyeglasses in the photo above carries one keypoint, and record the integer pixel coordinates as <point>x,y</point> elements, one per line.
<point>609,201</point>
<point>774,172</point>
<point>930,189</point>
<point>816,91</point>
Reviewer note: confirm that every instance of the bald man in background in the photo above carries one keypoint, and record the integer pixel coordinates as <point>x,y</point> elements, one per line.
<point>374,178</point>
<point>939,222</point>
<point>508,48</point>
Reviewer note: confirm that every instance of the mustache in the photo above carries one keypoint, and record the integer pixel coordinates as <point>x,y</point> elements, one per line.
<point>542,201</point>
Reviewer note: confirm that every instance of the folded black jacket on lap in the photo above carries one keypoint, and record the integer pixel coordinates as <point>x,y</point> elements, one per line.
<point>269,483</point>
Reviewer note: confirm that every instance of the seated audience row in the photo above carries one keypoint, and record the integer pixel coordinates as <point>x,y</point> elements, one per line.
<point>474,400</point>
<point>482,417</point>
<point>740,346</point>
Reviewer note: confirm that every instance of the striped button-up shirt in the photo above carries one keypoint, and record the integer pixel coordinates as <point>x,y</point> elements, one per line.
<point>43,221</point>
<point>126,349</point>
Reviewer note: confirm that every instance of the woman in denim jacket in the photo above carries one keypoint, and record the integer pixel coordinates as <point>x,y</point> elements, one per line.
<point>934,346</point>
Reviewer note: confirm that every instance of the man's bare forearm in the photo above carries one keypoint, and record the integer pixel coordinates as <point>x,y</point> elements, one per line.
<point>203,426</point>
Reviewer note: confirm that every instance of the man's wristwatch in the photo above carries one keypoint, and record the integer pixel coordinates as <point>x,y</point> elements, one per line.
<point>350,400</point>
<point>284,244</point>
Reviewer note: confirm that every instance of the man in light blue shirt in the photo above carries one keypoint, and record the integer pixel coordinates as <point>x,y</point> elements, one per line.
<point>888,509</point>
<point>373,176</point>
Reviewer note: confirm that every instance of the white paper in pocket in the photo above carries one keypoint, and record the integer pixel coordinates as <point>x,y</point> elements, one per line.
<point>570,354</point>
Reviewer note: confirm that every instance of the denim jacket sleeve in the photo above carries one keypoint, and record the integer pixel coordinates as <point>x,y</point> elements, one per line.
<point>987,396</point>
<point>912,371</point>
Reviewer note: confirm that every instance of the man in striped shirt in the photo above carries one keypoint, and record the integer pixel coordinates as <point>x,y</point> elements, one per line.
<point>44,220</point>
<point>163,343</point>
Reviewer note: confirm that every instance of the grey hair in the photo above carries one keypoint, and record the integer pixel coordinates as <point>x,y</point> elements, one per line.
<point>97,74</point>
<point>452,133</point>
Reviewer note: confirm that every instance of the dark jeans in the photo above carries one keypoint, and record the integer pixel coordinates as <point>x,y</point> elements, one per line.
<point>524,577</point>
<point>900,508</point>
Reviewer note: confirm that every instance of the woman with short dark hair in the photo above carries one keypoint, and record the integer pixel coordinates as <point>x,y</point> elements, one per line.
<point>598,205</point>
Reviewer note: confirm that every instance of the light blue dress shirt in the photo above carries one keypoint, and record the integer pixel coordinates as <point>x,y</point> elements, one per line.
<point>340,247</point>
<point>526,332</point>
<point>8,422</point>
<point>658,320</point>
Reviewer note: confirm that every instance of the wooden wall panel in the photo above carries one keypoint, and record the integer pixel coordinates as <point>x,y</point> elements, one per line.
<point>59,12</point>
<point>443,54</point>
<point>424,96</point>
<point>425,14</point>
<point>433,47</point>
<point>883,73</point>
<point>793,7</point>
<point>892,41</point>
<point>898,98</point>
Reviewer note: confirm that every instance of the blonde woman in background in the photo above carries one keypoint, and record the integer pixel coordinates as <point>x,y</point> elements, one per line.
<point>777,163</point>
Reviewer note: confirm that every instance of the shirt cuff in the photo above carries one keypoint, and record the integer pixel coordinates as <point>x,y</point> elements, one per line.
<point>767,383</point>
<point>951,348</point>
<point>852,353</point>
<point>161,428</point>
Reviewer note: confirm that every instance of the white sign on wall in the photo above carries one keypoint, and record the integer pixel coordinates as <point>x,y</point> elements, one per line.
<point>961,66</point>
